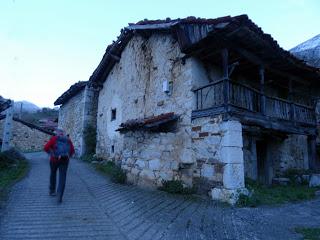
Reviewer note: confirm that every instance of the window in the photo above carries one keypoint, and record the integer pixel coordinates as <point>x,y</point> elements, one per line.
<point>113,114</point>
<point>112,149</point>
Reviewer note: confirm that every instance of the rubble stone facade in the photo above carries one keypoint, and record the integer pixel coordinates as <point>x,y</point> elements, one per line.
<point>76,114</point>
<point>26,138</point>
<point>205,152</point>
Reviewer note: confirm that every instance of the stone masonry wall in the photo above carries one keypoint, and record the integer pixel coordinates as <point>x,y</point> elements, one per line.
<point>134,89</point>
<point>290,153</point>
<point>194,152</point>
<point>71,120</point>
<point>250,157</point>
<point>76,114</point>
<point>282,154</point>
<point>25,138</point>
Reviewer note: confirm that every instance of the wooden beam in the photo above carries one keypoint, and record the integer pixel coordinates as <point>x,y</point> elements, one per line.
<point>225,76</point>
<point>291,113</point>
<point>262,96</point>
<point>225,64</point>
<point>260,62</point>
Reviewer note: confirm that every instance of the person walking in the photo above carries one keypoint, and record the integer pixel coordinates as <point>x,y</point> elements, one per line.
<point>60,148</point>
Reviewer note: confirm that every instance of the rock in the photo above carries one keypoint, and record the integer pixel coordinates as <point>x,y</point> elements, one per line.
<point>154,164</point>
<point>314,180</point>
<point>141,164</point>
<point>187,156</point>
<point>227,195</point>
<point>207,171</point>
<point>233,176</point>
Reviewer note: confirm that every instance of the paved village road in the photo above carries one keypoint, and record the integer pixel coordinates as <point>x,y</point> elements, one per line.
<point>94,208</point>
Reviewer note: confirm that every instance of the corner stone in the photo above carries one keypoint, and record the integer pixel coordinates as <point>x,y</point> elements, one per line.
<point>227,195</point>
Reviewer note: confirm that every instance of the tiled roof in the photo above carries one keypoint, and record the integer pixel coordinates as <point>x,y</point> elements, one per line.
<point>191,32</point>
<point>72,91</point>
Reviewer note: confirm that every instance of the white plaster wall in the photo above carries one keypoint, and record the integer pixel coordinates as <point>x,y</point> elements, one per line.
<point>134,88</point>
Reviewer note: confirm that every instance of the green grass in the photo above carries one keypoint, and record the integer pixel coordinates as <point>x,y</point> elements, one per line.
<point>176,187</point>
<point>13,167</point>
<point>309,233</point>
<point>116,174</point>
<point>271,195</point>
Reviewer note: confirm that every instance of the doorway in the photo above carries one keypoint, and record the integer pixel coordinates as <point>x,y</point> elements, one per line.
<point>262,162</point>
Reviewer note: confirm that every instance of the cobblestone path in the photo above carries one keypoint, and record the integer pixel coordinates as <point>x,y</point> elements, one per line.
<point>94,208</point>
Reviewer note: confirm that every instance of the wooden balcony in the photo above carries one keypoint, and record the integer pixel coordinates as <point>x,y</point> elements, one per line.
<point>250,106</point>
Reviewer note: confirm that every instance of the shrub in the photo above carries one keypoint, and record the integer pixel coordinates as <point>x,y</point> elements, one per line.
<point>13,166</point>
<point>87,158</point>
<point>90,140</point>
<point>118,175</point>
<point>309,233</point>
<point>248,201</point>
<point>176,187</point>
<point>296,175</point>
<point>115,172</point>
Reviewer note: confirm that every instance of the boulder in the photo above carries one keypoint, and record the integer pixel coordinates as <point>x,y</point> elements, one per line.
<point>314,180</point>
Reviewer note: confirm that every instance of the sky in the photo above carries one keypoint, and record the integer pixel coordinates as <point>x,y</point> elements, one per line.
<point>48,45</point>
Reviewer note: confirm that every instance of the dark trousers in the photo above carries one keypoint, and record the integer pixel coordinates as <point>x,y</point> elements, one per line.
<point>62,165</point>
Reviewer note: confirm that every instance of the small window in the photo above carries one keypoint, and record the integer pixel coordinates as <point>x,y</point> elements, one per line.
<point>112,149</point>
<point>113,114</point>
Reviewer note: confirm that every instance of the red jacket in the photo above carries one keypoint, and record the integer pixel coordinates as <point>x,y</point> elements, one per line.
<point>51,145</point>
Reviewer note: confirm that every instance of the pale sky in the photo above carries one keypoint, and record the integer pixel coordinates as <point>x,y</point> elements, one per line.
<point>47,45</point>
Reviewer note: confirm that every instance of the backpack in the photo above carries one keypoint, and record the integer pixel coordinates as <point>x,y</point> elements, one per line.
<point>62,147</point>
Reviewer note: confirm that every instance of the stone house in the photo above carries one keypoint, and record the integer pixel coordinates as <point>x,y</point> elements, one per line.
<point>26,136</point>
<point>204,101</point>
<point>78,111</point>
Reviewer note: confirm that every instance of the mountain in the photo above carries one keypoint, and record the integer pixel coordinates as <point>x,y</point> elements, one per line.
<point>309,51</point>
<point>26,107</point>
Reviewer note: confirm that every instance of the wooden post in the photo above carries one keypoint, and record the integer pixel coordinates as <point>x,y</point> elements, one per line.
<point>225,73</point>
<point>7,129</point>
<point>262,96</point>
<point>291,113</point>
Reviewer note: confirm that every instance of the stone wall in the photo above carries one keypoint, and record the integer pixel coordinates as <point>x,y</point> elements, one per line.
<point>199,153</point>
<point>134,89</point>
<point>71,120</point>
<point>281,154</point>
<point>25,138</point>
<point>76,114</point>
<point>291,153</point>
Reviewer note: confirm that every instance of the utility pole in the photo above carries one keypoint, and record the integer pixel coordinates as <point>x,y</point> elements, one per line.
<point>20,113</point>
<point>7,129</point>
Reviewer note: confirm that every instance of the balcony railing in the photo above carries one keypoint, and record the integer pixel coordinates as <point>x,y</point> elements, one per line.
<point>224,93</point>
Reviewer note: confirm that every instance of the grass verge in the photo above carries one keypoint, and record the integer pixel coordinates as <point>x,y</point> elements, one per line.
<point>116,174</point>
<point>176,187</point>
<point>271,195</point>
<point>13,167</point>
<point>309,233</point>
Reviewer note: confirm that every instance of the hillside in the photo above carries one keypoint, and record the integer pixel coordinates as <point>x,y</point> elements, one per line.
<point>26,107</point>
<point>309,51</point>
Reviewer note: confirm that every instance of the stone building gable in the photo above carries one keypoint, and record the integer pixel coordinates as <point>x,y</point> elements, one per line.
<point>78,111</point>
<point>71,120</point>
<point>27,137</point>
